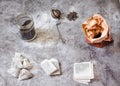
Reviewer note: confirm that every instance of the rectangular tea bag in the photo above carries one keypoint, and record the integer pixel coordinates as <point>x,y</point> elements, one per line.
<point>48,67</point>
<point>83,70</point>
<point>57,65</point>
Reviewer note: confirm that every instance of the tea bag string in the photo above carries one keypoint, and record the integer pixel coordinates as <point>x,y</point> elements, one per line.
<point>60,35</point>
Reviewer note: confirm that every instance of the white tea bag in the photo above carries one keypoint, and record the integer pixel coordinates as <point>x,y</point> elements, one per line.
<point>57,65</point>
<point>27,64</point>
<point>17,61</point>
<point>83,72</point>
<point>48,67</point>
<point>25,74</point>
<point>20,67</point>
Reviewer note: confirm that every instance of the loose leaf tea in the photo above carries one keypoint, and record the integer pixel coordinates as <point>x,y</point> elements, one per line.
<point>72,16</point>
<point>26,22</point>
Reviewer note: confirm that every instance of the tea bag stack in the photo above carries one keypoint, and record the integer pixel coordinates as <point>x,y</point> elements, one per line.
<point>21,67</point>
<point>51,67</point>
<point>83,72</point>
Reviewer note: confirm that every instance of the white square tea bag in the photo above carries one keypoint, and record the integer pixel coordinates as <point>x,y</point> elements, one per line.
<point>48,67</point>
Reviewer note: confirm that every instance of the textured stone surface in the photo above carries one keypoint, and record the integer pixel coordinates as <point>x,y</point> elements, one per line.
<point>47,45</point>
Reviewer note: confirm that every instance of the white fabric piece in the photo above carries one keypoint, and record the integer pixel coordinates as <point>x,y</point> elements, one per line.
<point>48,66</point>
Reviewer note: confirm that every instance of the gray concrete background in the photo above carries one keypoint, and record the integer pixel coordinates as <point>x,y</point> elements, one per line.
<point>48,46</point>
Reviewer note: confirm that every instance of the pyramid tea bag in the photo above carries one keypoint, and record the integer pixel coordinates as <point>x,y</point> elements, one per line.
<point>25,74</point>
<point>96,31</point>
<point>21,67</point>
